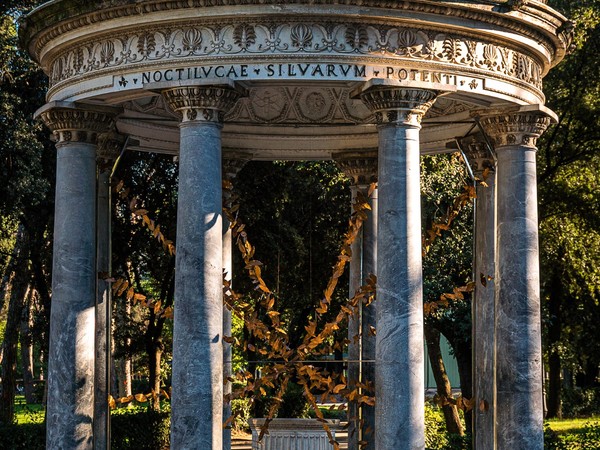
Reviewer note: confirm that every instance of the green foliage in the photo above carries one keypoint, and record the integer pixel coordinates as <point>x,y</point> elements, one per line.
<point>581,402</point>
<point>28,436</point>
<point>569,209</point>
<point>294,403</point>
<point>135,429</point>
<point>296,214</point>
<point>241,410</point>
<point>585,438</point>
<point>436,436</point>
<point>25,413</point>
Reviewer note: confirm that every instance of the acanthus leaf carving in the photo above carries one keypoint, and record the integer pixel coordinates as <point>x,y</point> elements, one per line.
<point>244,35</point>
<point>146,44</point>
<point>451,49</point>
<point>330,38</point>
<point>356,36</point>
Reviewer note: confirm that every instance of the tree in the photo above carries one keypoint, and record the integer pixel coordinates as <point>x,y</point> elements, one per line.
<point>151,185</point>
<point>448,265</point>
<point>26,201</point>
<point>296,214</point>
<point>568,179</point>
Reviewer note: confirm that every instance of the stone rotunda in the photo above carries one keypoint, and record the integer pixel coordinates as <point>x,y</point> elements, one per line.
<point>372,84</point>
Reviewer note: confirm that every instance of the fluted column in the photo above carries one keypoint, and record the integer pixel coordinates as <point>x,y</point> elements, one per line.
<point>519,411</point>
<point>233,162</point>
<point>197,400</point>
<point>361,168</point>
<point>484,303</point>
<point>399,382</point>
<point>70,410</point>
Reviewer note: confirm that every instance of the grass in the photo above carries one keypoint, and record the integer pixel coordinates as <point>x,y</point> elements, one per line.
<point>568,426</point>
<point>25,413</point>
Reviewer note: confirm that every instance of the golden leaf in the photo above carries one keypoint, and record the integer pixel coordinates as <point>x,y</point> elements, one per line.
<point>338,388</point>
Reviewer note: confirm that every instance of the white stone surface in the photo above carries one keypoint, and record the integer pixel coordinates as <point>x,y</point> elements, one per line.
<point>292,434</point>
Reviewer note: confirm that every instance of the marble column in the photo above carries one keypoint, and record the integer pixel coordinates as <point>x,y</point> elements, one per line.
<point>70,410</point>
<point>519,402</point>
<point>197,389</point>
<point>109,147</point>
<point>232,164</point>
<point>399,382</point>
<point>481,159</point>
<point>361,168</point>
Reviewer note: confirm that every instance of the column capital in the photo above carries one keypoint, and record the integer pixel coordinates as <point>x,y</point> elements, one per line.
<point>518,126</point>
<point>394,104</point>
<point>76,122</point>
<point>478,153</point>
<point>360,167</point>
<point>110,145</point>
<point>203,102</point>
<point>233,161</point>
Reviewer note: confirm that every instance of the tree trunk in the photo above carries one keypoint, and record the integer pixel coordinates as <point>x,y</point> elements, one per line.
<point>154,348</point>
<point>18,295</point>
<point>464,359</point>
<point>124,376</point>
<point>10,270</point>
<point>553,403</point>
<point>27,350</point>
<point>123,364</point>
<point>444,389</point>
<point>154,342</point>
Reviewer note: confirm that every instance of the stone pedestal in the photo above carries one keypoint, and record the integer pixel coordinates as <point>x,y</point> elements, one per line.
<point>70,412</point>
<point>399,383</point>
<point>292,434</point>
<point>197,395</point>
<point>519,381</point>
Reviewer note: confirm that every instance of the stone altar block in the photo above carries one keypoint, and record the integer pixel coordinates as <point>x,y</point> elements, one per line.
<point>292,434</point>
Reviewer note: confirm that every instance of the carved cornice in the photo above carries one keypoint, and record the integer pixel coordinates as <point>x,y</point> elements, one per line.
<point>515,128</point>
<point>536,21</point>
<point>360,167</point>
<point>385,42</point>
<point>397,105</point>
<point>71,123</point>
<point>202,103</point>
